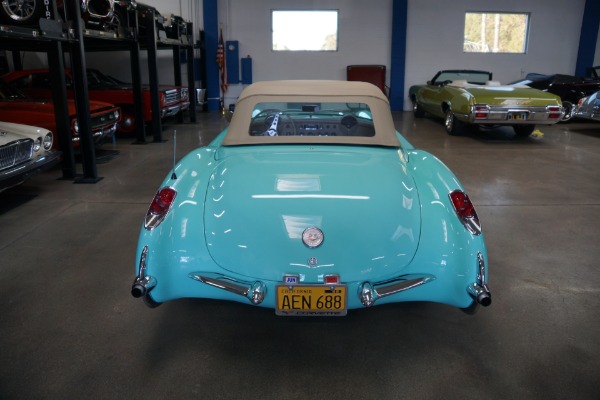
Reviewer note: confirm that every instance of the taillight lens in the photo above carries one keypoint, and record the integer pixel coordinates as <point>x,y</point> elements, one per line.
<point>160,206</point>
<point>554,112</point>
<point>465,211</point>
<point>480,110</point>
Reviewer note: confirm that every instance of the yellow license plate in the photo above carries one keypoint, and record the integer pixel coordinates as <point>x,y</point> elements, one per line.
<point>517,116</point>
<point>310,300</point>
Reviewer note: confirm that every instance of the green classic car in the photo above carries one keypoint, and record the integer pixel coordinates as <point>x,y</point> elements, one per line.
<point>465,97</point>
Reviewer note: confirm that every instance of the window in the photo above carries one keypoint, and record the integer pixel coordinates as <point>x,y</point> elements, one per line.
<point>312,119</point>
<point>496,32</point>
<point>305,30</point>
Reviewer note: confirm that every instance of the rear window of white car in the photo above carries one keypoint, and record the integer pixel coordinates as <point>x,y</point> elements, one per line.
<point>311,119</point>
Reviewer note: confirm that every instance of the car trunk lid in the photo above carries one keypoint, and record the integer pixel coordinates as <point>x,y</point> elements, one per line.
<point>260,201</point>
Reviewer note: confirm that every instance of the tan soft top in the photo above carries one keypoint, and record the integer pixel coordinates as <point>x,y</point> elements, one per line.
<point>312,91</point>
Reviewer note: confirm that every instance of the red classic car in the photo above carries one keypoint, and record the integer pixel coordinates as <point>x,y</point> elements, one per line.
<point>36,83</point>
<point>16,107</point>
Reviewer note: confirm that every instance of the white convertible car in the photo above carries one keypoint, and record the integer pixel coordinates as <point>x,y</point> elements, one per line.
<point>24,151</point>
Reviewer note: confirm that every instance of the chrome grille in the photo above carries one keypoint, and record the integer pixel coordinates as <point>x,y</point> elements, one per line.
<point>103,119</point>
<point>172,96</point>
<point>15,153</point>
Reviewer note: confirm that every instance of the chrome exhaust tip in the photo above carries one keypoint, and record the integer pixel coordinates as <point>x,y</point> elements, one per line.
<point>142,283</point>
<point>141,287</point>
<point>479,290</point>
<point>481,294</point>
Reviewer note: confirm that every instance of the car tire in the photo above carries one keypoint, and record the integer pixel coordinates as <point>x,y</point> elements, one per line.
<point>127,123</point>
<point>472,309</point>
<point>454,127</point>
<point>149,302</point>
<point>417,110</point>
<point>22,13</point>
<point>523,131</point>
<point>569,111</point>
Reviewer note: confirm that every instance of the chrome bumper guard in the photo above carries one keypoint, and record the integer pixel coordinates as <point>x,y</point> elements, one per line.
<point>479,290</point>
<point>142,283</point>
<point>369,293</point>
<point>253,291</point>
<point>170,111</point>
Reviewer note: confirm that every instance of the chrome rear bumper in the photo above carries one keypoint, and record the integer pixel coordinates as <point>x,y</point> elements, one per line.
<point>253,291</point>
<point>369,293</point>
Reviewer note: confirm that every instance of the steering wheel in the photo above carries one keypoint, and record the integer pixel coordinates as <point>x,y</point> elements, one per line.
<point>271,121</point>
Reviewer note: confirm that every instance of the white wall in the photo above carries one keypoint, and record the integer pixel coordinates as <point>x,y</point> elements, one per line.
<point>435,39</point>
<point>364,37</point>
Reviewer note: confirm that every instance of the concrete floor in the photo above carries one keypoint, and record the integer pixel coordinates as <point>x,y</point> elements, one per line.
<point>69,328</point>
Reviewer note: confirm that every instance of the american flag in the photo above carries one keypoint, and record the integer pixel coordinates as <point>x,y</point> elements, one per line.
<point>221,61</point>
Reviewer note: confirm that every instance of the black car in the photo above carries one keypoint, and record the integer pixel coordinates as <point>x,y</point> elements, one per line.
<point>569,88</point>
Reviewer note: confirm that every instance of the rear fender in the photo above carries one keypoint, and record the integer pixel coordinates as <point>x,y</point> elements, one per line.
<point>177,246</point>
<point>445,245</point>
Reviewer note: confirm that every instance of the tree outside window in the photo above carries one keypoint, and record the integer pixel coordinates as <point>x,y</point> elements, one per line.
<point>493,32</point>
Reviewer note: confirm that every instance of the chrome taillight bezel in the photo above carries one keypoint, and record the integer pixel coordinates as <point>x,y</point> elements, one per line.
<point>465,211</point>
<point>480,111</point>
<point>158,210</point>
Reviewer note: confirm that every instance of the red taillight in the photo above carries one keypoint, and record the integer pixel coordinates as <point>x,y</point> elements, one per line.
<point>554,112</point>
<point>465,211</point>
<point>162,201</point>
<point>463,206</point>
<point>481,110</point>
<point>332,279</point>
<point>159,207</point>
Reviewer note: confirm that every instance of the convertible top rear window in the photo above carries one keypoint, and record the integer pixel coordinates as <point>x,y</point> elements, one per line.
<point>311,119</point>
<point>312,112</point>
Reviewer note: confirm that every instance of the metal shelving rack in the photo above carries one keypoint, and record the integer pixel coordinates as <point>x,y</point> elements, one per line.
<point>56,38</point>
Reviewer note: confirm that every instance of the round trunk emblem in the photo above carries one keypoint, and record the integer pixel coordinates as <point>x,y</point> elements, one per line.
<point>312,237</point>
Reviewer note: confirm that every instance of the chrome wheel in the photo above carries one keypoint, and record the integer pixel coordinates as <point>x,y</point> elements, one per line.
<point>449,121</point>
<point>454,127</point>
<point>417,110</point>
<point>569,109</point>
<point>19,10</point>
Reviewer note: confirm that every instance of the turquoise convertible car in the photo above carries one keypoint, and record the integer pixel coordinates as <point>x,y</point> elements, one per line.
<point>310,203</point>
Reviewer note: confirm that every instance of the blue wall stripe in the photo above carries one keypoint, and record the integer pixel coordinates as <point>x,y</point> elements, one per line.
<point>589,36</point>
<point>397,69</point>
<point>211,37</point>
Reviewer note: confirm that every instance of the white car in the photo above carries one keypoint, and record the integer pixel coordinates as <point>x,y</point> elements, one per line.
<point>24,151</point>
